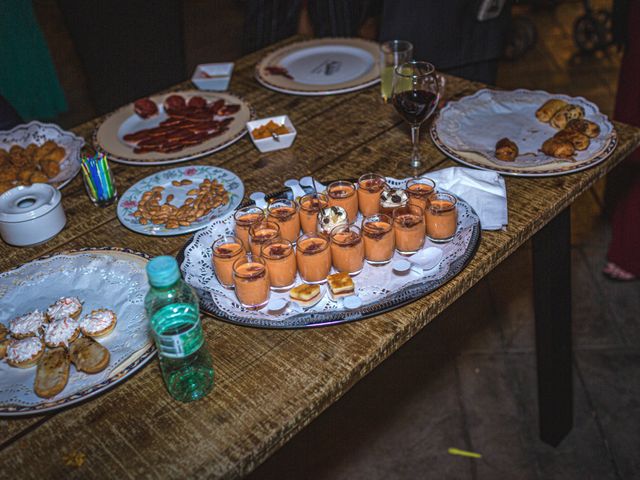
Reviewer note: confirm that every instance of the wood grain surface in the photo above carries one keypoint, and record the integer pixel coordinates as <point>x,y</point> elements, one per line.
<point>269,384</point>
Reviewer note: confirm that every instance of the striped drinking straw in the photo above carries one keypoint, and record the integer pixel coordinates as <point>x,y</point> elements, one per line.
<point>98,178</point>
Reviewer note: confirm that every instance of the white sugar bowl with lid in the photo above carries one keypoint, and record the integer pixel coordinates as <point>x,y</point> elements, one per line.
<point>31,214</point>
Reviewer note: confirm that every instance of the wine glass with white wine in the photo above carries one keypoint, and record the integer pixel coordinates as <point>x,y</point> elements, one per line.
<point>392,54</point>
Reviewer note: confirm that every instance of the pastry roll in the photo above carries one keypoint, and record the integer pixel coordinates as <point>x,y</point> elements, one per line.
<point>557,148</point>
<point>549,109</point>
<point>586,127</point>
<point>579,140</point>
<point>566,114</point>
<point>506,150</point>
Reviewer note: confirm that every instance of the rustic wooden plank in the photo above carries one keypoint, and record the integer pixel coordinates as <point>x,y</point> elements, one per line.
<point>270,384</point>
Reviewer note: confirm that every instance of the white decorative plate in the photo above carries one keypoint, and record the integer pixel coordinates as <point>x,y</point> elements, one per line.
<point>38,133</point>
<point>128,203</point>
<point>467,130</point>
<point>102,278</point>
<point>108,136</point>
<point>324,66</point>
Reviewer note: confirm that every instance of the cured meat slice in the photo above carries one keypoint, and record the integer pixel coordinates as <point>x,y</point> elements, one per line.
<point>197,102</point>
<point>145,108</point>
<point>174,102</point>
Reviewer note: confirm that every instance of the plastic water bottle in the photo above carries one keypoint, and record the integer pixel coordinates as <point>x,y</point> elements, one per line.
<point>174,315</point>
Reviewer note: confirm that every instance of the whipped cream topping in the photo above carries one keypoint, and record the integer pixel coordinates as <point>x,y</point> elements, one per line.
<point>21,350</point>
<point>97,320</point>
<point>60,331</point>
<point>330,217</point>
<point>27,324</point>
<point>64,307</point>
<point>393,198</point>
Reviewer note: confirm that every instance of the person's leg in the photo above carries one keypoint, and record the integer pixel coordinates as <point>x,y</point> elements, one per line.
<point>624,249</point>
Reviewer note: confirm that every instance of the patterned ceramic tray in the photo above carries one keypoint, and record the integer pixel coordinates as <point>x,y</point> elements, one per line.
<point>128,204</point>
<point>380,288</point>
<point>106,277</point>
<point>38,133</point>
<point>461,132</point>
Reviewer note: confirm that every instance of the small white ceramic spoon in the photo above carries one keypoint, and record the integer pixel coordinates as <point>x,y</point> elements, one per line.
<point>352,302</point>
<point>277,304</point>
<point>295,187</point>
<point>310,182</point>
<point>402,265</point>
<point>428,258</point>
<point>422,262</point>
<point>259,199</point>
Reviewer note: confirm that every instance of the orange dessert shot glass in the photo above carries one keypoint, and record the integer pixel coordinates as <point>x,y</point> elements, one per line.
<point>251,278</point>
<point>310,205</point>
<point>313,256</point>
<point>343,194</point>
<point>442,217</point>
<point>409,229</point>
<point>225,251</point>
<point>370,186</point>
<point>244,219</point>
<point>419,190</point>
<point>280,258</point>
<point>285,213</point>
<point>260,233</point>
<point>347,249</point>
<point>379,238</point>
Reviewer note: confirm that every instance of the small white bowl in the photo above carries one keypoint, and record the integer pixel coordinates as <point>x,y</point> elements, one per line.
<point>270,144</point>
<point>212,76</point>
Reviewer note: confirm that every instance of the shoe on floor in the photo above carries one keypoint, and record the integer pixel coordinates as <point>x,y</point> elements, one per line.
<point>614,272</point>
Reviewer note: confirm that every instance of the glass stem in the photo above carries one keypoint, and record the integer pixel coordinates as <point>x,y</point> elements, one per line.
<point>415,153</point>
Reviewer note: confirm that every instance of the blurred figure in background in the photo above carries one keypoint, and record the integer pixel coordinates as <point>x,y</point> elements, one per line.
<point>268,21</point>
<point>459,37</point>
<point>624,250</point>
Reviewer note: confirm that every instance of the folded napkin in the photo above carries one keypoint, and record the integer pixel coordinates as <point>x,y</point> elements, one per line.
<point>485,191</point>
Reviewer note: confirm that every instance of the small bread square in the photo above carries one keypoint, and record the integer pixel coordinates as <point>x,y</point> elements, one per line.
<point>306,295</point>
<point>340,285</point>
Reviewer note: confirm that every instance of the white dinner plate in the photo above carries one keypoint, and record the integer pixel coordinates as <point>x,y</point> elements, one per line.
<point>467,130</point>
<point>109,278</point>
<point>108,136</point>
<point>323,66</point>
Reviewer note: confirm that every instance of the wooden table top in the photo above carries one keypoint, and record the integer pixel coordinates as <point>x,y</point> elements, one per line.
<point>269,384</point>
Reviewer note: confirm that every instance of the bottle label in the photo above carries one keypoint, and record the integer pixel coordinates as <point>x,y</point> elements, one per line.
<point>177,330</point>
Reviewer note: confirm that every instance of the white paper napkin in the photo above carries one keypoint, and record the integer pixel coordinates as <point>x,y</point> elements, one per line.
<point>485,191</point>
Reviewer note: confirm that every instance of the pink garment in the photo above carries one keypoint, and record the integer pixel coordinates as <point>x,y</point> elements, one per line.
<point>624,249</point>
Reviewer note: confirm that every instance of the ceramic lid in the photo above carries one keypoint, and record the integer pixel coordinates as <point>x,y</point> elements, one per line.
<point>24,203</point>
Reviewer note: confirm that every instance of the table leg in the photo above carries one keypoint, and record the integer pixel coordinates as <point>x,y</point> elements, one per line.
<point>552,302</point>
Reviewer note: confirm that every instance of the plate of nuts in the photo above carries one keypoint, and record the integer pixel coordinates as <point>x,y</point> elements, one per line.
<point>180,200</point>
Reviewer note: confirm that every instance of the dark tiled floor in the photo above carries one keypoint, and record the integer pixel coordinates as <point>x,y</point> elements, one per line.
<point>468,380</point>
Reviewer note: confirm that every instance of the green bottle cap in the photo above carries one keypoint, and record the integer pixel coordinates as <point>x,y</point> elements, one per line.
<point>163,271</point>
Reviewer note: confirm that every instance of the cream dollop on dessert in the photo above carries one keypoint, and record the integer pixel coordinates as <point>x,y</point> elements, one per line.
<point>393,198</point>
<point>331,217</point>
<point>27,325</point>
<point>61,332</point>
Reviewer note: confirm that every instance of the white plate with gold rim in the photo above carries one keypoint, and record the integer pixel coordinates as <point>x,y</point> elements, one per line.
<point>324,66</point>
<point>108,136</point>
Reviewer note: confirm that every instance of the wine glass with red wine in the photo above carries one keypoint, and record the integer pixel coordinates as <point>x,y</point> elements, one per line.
<point>416,92</point>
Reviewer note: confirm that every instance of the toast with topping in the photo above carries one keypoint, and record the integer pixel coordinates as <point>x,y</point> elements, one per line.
<point>52,374</point>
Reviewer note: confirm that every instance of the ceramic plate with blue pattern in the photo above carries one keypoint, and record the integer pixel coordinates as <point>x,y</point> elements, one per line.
<point>179,182</point>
